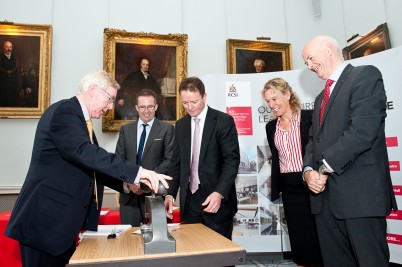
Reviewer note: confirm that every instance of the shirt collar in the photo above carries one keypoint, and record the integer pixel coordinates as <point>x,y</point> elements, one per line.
<point>140,122</point>
<point>295,117</point>
<point>84,109</point>
<point>202,116</point>
<point>337,73</point>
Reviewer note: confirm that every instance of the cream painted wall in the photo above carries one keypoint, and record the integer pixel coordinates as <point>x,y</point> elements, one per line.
<point>78,42</point>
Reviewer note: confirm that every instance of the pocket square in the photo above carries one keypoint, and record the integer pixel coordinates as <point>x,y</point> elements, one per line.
<point>158,139</point>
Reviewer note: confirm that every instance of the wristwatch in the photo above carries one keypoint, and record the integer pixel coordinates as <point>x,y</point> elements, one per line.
<point>324,169</point>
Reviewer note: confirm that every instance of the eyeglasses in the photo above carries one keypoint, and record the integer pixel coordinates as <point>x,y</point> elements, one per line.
<point>112,100</point>
<point>150,107</point>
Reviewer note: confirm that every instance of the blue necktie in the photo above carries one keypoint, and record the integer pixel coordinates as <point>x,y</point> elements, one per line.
<point>142,142</point>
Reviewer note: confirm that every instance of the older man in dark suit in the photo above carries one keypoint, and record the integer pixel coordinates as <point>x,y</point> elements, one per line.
<point>346,159</point>
<point>206,162</point>
<point>154,152</point>
<point>62,192</point>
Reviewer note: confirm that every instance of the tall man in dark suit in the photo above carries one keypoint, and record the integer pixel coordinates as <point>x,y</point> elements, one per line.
<point>346,159</point>
<point>157,152</point>
<point>67,169</point>
<point>205,164</point>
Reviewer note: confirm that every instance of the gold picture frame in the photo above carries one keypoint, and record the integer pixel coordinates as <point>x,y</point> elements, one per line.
<point>373,42</point>
<point>25,73</point>
<point>167,57</point>
<point>242,54</point>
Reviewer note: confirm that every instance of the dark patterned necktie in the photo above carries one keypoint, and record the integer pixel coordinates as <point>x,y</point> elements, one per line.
<point>142,142</point>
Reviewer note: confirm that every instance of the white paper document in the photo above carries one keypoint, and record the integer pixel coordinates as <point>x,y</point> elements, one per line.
<point>105,230</point>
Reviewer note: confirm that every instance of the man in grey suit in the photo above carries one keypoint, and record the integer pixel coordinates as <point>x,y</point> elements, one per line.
<point>346,160</point>
<point>156,154</point>
<point>206,175</point>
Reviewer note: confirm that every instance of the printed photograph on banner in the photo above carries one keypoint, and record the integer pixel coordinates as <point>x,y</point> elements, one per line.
<point>272,220</point>
<point>264,159</point>
<point>264,190</point>
<point>246,189</point>
<point>238,105</point>
<point>246,221</point>
<point>248,160</point>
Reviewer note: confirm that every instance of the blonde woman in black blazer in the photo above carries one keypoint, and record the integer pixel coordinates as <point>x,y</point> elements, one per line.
<point>295,195</point>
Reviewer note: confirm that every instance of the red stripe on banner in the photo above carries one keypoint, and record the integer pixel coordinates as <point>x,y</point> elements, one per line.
<point>394,166</point>
<point>392,141</point>
<point>397,215</point>
<point>394,239</point>
<point>397,190</point>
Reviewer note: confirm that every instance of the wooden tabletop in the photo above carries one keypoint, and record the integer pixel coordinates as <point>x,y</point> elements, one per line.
<point>196,244</point>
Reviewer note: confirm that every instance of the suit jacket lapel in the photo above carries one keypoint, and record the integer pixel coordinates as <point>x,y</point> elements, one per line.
<point>186,135</point>
<point>336,90</point>
<point>209,127</point>
<point>132,138</point>
<point>75,100</point>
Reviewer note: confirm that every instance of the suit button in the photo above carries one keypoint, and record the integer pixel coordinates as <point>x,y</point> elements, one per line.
<point>318,140</point>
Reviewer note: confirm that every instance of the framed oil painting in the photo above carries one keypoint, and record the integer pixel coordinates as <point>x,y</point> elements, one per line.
<point>24,69</point>
<point>373,42</point>
<point>144,61</point>
<point>255,56</point>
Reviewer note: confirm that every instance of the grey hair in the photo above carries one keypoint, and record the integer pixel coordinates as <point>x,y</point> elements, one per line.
<point>100,78</point>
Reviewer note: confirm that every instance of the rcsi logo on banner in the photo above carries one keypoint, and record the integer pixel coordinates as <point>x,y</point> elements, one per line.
<point>238,105</point>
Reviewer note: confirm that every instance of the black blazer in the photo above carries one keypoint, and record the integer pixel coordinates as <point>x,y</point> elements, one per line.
<point>56,199</point>
<point>218,163</point>
<point>270,129</point>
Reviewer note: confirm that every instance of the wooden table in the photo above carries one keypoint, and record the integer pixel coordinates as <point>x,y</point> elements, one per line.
<point>196,245</point>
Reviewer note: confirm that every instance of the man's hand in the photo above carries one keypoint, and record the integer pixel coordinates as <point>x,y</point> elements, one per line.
<point>213,202</point>
<point>169,206</point>
<point>152,179</point>
<point>315,181</point>
<point>136,189</point>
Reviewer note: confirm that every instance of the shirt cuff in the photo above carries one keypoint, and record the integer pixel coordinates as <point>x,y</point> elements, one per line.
<point>137,179</point>
<point>126,189</point>
<point>171,197</point>
<point>326,164</point>
<point>307,168</point>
